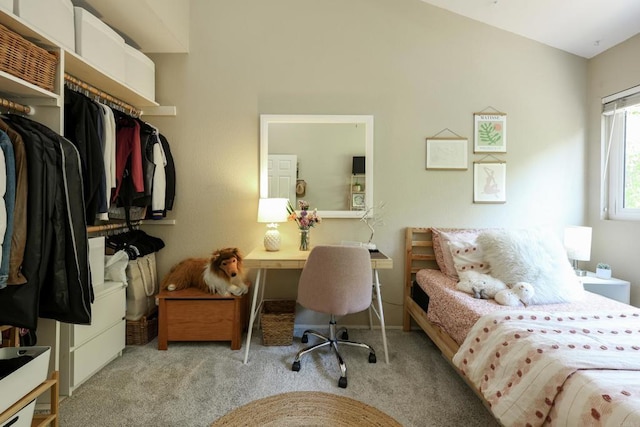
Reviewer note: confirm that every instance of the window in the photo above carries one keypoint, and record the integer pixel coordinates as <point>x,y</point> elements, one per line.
<point>621,148</point>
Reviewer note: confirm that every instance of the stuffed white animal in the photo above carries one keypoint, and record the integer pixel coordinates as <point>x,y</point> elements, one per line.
<point>480,285</point>
<point>520,293</point>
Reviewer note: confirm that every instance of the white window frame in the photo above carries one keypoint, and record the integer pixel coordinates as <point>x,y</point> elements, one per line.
<point>613,154</point>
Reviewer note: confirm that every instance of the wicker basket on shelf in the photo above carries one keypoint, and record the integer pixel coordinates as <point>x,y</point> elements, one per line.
<point>143,330</point>
<point>21,58</point>
<point>277,320</point>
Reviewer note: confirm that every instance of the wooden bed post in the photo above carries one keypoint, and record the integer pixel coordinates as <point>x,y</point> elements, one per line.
<point>418,255</point>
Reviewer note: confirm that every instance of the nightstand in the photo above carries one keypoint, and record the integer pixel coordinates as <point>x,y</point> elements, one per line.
<point>611,288</point>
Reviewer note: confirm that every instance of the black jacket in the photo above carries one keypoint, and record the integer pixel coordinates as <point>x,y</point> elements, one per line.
<point>81,117</point>
<point>170,172</point>
<point>56,262</point>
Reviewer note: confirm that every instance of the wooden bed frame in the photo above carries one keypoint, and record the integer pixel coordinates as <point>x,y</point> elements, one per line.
<point>419,254</point>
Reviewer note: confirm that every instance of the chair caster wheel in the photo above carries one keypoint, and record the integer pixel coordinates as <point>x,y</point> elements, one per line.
<point>342,382</point>
<point>372,358</point>
<point>295,367</point>
<point>304,339</point>
<point>345,335</point>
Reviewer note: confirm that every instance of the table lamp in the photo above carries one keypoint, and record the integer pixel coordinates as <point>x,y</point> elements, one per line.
<point>272,211</point>
<point>577,243</point>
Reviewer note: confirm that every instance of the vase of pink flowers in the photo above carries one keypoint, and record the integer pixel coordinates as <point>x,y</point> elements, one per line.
<point>305,219</point>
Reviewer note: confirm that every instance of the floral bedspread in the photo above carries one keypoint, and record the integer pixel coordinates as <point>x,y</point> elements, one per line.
<point>457,312</point>
<point>533,367</point>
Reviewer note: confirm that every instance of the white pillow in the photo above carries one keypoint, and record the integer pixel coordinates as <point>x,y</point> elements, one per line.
<point>532,255</point>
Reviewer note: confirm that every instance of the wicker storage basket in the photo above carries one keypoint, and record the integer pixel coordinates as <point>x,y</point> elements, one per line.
<point>277,322</point>
<point>142,331</point>
<point>25,60</point>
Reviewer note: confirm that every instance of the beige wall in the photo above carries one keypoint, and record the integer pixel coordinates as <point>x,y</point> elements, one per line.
<point>418,69</point>
<point>614,242</point>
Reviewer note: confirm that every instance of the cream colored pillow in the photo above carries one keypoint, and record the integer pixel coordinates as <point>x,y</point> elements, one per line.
<point>467,256</point>
<point>441,238</point>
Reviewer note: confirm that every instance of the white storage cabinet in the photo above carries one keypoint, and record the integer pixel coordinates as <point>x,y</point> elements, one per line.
<point>85,349</point>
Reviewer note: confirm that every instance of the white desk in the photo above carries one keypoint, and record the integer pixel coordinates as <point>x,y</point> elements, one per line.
<point>294,259</point>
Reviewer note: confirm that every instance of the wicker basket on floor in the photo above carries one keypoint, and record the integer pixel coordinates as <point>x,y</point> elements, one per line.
<point>142,331</point>
<point>21,58</point>
<point>277,321</point>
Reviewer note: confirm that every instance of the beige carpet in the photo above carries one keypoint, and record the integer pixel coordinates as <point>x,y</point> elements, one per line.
<point>306,408</point>
<point>192,384</point>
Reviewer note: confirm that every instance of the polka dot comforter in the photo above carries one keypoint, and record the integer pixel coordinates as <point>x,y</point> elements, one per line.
<point>556,368</point>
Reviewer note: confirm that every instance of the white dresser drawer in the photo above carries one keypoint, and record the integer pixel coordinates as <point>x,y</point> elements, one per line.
<point>95,354</point>
<point>107,310</point>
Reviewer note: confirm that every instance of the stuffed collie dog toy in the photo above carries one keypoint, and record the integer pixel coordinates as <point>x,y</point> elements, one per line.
<point>221,273</point>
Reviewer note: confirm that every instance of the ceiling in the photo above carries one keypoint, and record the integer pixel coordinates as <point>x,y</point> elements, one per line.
<point>582,27</point>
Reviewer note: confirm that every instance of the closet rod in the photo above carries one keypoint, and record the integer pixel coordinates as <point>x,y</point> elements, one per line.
<point>103,95</point>
<point>15,106</point>
<point>112,226</point>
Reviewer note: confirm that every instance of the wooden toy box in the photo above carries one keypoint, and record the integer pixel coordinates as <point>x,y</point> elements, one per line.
<point>194,315</point>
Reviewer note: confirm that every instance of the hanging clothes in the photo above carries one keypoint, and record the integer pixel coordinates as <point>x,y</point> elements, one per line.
<point>82,118</point>
<point>137,167</point>
<point>56,260</point>
<point>129,174</point>
<point>3,203</point>
<point>9,202</point>
<point>170,178</point>
<point>159,190</point>
<point>19,233</point>
<point>109,160</point>
<point>135,243</point>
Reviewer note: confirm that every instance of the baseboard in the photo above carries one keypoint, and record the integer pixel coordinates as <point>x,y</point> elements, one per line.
<point>299,329</point>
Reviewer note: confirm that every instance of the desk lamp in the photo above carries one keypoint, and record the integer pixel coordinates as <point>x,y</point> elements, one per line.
<point>577,243</point>
<point>272,211</point>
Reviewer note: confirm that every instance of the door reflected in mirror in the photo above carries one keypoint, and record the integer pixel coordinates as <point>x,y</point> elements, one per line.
<point>311,157</point>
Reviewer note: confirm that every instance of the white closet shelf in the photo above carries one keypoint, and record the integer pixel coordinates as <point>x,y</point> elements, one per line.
<point>79,68</point>
<point>166,110</point>
<point>76,66</point>
<point>15,87</point>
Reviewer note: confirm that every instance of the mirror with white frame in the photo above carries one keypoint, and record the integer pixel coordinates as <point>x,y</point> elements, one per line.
<point>310,157</point>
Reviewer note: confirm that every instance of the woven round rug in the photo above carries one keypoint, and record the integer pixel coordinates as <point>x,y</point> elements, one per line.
<point>306,408</point>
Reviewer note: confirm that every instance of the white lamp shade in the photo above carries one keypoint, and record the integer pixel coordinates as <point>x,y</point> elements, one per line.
<point>272,210</point>
<point>577,243</point>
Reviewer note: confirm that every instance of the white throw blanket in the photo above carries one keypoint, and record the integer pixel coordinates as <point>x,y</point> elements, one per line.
<point>521,362</point>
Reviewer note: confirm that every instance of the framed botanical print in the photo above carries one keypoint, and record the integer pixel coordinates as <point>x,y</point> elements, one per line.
<point>490,133</point>
<point>447,153</point>
<point>489,182</point>
<point>357,201</point>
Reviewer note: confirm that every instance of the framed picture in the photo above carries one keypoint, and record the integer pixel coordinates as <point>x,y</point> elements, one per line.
<point>357,201</point>
<point>447,153</point>
<point>489,182</point>
<point>490,133</point>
